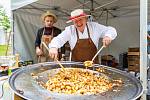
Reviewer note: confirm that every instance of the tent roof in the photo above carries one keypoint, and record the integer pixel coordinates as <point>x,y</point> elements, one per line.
<point>16,4</point>
<point>98,8</point>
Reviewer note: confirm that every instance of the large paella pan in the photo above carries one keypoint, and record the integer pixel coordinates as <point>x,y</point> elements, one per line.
<point>33,81</point>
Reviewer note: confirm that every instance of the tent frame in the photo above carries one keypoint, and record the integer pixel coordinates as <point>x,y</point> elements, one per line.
<point>143,46</point>
<point>143,43</point>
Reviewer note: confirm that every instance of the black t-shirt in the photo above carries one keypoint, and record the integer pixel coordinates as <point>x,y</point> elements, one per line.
<point>48,31</point>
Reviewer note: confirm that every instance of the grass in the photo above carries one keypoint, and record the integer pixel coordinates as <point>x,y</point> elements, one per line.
<point>3,50</point>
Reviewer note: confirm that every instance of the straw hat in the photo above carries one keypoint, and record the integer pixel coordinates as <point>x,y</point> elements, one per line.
<point>77,13</point>
<point>48,13</point>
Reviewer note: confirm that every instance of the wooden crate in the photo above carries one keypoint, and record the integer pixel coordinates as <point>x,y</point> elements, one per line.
<point>134,53</point>
<point>135,49</point>
<point>133,59</point>
<point>134,68</point>
<point>133,62</point>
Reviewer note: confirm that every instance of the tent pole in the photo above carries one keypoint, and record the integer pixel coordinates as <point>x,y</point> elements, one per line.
<point>12,24</point>
<point>143,46</point>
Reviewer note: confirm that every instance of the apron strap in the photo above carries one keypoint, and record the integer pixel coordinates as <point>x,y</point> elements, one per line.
<point>52,32</point>
<point>77,35</point>
<point>87,31</point>
<point>43,31</point>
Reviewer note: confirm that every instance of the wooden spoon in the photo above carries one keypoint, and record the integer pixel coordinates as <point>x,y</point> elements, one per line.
<point>56,59</point>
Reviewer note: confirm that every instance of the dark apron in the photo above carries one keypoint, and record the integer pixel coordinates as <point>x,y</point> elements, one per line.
<point>46,39</point>
<point>84,49</point>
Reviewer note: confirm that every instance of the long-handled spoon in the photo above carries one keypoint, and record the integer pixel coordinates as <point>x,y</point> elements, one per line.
<point>56,59</point>
<point>89,63</point>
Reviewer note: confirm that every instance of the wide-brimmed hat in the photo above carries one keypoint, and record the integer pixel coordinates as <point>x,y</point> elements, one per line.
<point>77,13</point>
<point>48,13</point>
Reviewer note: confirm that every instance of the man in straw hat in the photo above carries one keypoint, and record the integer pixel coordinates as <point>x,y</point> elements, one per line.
<point>83,37</point>
<point>46,34</point>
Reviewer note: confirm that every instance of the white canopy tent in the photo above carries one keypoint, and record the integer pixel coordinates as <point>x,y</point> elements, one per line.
<point>26,17</point>
<point>124,15</point>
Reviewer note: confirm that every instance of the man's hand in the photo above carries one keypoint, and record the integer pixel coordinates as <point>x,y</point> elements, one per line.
<point>38,51</point>
<point>106,41</point>
<point>63,57</point>
<point>53,53</point>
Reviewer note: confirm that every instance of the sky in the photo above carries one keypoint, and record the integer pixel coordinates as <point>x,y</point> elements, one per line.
<point>6,5</point>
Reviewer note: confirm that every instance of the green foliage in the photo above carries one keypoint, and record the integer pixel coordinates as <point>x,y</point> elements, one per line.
<point>3,50</point>
<point>4,20</point>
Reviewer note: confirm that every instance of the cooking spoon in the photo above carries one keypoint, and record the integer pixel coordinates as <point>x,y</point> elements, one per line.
<point>56,59</point>
<point>89,63</point>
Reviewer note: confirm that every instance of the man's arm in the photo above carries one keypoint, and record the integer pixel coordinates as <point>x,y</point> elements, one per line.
<point>38,38</point>
<point>38,42</point>
<point>61,39</point>
<point>108,33</point>
<point>63,47</point>
<point>58,42</point>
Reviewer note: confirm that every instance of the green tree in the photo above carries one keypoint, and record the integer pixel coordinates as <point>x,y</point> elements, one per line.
<point>6,25</point>
<point>4,20</point>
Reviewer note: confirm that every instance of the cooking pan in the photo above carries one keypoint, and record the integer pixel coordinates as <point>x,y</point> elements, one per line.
<point>26,81</point>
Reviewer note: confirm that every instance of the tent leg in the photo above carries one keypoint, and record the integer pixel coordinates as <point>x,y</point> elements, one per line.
<point>143,47</point>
